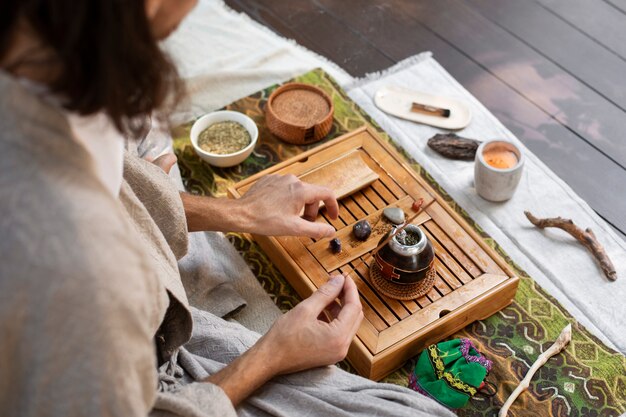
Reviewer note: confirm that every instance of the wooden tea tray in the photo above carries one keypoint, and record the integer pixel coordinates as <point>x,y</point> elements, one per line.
<point>472,283</point>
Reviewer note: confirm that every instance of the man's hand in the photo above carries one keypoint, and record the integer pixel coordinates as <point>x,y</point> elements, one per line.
<point>283,205</point>
<point>304,338</point>
<point>275,206</point>
<point>299,340</point>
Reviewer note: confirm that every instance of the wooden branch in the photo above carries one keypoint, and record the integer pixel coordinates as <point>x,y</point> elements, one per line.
<point>586,237</point>
<point>564,338</point>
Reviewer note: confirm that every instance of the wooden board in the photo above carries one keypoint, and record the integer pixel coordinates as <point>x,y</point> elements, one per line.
<point>472,281</point>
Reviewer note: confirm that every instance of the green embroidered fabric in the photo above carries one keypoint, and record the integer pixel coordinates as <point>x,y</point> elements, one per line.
<point>588,379</point>
<point>444,372</point>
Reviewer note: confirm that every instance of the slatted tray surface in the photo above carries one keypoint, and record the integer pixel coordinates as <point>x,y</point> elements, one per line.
<point>472,281</point>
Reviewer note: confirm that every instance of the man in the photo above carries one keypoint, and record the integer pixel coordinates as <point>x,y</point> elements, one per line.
<point>94,319</point>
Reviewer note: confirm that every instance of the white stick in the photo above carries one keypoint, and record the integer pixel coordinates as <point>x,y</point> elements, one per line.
<point>562,341</point>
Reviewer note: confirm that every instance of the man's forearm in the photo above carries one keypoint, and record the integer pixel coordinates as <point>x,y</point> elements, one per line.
<point>214,214</point>
<point>246,374</point>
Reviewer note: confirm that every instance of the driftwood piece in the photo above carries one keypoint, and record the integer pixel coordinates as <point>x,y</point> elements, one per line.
<point>586,237</point>
<point>564,338</point>
<point>454,147</point>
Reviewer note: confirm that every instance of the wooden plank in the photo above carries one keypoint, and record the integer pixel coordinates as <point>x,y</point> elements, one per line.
<point>448,260</point>
<point>403,177</point>
<point>360,357</point>
<point>384,317</point>
<point>353,248</point>
<point>433,295</point>
<point>430,314</point>
<point>345,215</point>
<point>444,241</point>
<point>396,306</point>
<point>463,239</point>
<point>564,45</point>
<point>373,197</point>
<point>442,287</point>
<point>362,201</point>
<point>389,182</point>
<point>306,161</point>
<point>595,18</point>
<point>447,277</point>
<point>318,31</point>
<point>356,211</point>
<point>383,192</point>
<point>336,223</point>
<point>422,301</point>
<point>368,334</point>
<point>344,175</point>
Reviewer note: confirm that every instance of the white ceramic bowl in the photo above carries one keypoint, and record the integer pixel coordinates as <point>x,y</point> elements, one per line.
<point>225,160</point>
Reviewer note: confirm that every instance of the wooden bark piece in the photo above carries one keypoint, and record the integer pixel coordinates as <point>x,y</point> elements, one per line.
<point>586,237</point>
<point>454,147</point>
<point>564,338</point>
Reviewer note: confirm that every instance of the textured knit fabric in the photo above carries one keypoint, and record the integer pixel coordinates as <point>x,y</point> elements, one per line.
<point>85,279</point>
<point>80,301</point>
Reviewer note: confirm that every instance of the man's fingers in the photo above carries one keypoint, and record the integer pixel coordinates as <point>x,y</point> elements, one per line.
<point>325,295</point>
<point>352,308</point>
<point>333,309</point>
<point>313,229</point>
<point>313,194</point>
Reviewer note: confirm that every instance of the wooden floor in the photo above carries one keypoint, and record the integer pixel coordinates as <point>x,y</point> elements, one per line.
<point>553,71</point>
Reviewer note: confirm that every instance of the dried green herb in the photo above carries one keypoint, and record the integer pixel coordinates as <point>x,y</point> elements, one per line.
<point>408,238</point>
<point>224,138</point>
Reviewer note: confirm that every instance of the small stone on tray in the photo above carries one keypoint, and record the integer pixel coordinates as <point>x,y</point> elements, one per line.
<point>335,245</point>
<point>394,214</point>
<point>362,230</point>
<point>417,205</point>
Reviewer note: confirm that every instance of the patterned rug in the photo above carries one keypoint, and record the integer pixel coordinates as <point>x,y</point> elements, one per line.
<point>588,379</point>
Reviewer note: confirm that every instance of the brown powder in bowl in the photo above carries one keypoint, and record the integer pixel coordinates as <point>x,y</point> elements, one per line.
<point>224,138</point>
<point>300,107</point>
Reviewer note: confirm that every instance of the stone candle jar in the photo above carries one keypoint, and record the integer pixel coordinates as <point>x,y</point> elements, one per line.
<point>497,178</point>
<point>407,258</point>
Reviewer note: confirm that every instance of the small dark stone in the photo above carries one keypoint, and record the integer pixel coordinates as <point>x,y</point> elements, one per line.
<point>454,147</point>
<point>335,245</point>
<point>362,230</point>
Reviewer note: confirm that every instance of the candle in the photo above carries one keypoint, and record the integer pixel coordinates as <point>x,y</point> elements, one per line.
<point>500,157</point>
<point>497,169</point>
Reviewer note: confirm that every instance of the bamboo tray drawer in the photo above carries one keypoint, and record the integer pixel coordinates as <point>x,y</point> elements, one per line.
<point>367,175</point>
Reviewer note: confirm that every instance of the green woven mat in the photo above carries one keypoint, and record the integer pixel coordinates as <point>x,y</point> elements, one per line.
<point>588,379</point>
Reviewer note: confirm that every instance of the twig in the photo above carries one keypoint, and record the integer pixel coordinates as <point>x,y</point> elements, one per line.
<point>562,341</point>
<point>388,239</point>
<point>586,237</point>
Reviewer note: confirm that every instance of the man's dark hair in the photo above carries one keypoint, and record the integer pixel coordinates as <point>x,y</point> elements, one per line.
<point>109,59</point>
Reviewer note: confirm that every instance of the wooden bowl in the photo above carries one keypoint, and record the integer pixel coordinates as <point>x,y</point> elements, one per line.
<point>299,113</point>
